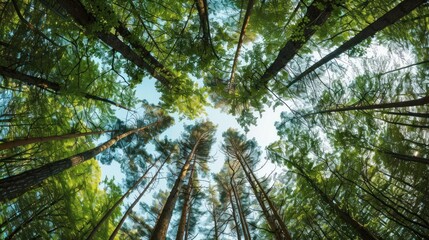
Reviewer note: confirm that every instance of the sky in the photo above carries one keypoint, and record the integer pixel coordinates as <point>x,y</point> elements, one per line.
<point>264,131</point>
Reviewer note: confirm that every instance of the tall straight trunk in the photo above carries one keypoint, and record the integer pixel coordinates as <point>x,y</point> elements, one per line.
<point>143,59</point>
<point>273,218</point>
<point>25,141</point>
<point>360,229</point>
<point>408,114</point>
<point>316,15</point>
<point>216,230</point>
<point>409,103</point>
<point>186,207</point>
<point>204,20</point>
<point>50,86</point>
<point>240,210</point>
<point>391,17</point>
<point>130,208</point>
<point>240,43</point>
<point>14,186</point>
<point>234,215</point>
<point>117,203</point>
<point>285,233</point>
<point>161,226</point>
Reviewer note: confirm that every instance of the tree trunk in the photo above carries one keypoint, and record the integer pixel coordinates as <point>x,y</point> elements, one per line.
<point>314,17</point>
<point>50,86</point>
<point>20,142</point>
<point>204,20</point>
<point>363,232</point>
<point>281,231</point>
<point>119,201</point>
<point>401,10</point>
<point>129,210</point>
<point>14,186</point>
<point>240,42</point>
<point>409,103</point>
<point>240,210</point>
<point>161,226</point>
<point>186,206</point>
<point>78,12</point>
<point>234,215</point>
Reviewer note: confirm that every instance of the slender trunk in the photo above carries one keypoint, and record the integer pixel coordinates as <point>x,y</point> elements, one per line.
<point>50,86</point>
<point>188,221</point>
<point>240,42</point>
<point>316,15</point>
<point>234,215</point>
<point>408,114</point>
<point>14,186</point>
<point>391,17</point>
<point>20,142</point>
<point>240,210</point>
<point>273,219</point>
<point>409,103</point>
<point>216,230</point>
<point>363,232</point>
<point>85,19</point>
<point>117,203</point>
<point>185,208</point>
<point>129,210</point>
<point>204,20</point>
<point>161,226</point>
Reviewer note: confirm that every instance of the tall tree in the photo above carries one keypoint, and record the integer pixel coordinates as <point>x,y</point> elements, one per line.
<point>196,143</point>
<point>16,185</point>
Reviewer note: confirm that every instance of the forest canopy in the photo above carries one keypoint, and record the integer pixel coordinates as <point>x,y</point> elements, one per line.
<point>78,79</point>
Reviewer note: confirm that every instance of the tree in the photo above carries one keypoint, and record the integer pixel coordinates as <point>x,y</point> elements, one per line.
<point>196,144</point>
<point>18,184</point>
<point>237,147</point>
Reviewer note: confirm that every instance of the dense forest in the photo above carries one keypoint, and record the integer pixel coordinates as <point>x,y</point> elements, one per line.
<point>351,155</point>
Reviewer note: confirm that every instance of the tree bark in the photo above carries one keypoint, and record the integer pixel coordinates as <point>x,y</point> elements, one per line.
<point>391,17</point>
<point>409,103</point>
<point>363,232</point>
<point>161,226</point>
<point>273,219</point>
<point>314,17</point>
<point>186,206</point>
<point>14,186</point>
<point>240,42</point>
<point>240,210</point>
<point>50,86</point>
<point>121,222</point>
<point>25,141</point>
<point>85,19</point>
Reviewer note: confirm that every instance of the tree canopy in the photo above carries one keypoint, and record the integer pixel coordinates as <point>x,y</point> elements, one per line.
<point>78,79</point>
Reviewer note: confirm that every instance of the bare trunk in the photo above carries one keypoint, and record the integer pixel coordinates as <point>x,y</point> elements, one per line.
<point>240,210</point>
<point>20,142</point>
<point>14,186</point>
<point>161,226</point>
<point>272,217</point>
<point>401,10</point>
<point>314,17</point>
<point>363,232</point>
<point>85,19</point>
<point>240,42</point>
<point>129,210</point>
<point>185,208</point>
<point>234,215</point>
<point>409,103</point>
<point>50,86</point>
